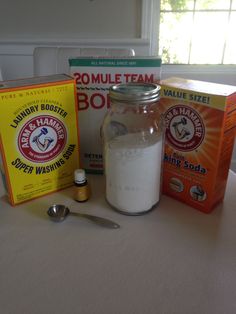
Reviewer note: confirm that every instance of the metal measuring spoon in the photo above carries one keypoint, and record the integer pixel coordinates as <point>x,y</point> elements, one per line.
<point>59,212</point>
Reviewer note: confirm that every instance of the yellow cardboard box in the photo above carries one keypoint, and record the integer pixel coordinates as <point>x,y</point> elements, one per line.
<point>38,135</point>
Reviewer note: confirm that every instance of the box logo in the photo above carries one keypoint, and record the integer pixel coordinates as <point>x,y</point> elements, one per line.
<point>42,138</point>
<point>185,130</point>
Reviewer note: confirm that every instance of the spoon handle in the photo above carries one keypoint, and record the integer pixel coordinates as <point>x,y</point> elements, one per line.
<point>98,220</point>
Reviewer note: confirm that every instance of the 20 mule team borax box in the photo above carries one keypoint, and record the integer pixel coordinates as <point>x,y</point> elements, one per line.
<point>94,76</point>
<point>38,135</point>
<point>200,131</point>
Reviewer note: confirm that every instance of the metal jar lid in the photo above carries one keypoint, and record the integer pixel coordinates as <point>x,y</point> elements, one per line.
<point>135,92</point>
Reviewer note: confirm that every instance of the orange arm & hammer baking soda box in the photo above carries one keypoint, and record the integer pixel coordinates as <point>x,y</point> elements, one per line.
<point>38,135</point>
<point>200,121</point>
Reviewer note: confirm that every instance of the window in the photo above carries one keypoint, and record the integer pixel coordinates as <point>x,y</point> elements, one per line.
<point>197,31</point>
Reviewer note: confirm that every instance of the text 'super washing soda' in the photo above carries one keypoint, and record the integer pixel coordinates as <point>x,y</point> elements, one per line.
<point>200,120</point>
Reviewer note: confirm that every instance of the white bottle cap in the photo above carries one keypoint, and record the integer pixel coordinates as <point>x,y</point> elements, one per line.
<point>79,176</point>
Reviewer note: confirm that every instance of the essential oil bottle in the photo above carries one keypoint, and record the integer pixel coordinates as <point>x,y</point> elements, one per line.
<point>81,186</point>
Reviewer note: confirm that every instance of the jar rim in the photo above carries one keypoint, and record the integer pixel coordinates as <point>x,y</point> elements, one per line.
<point>135,92</point>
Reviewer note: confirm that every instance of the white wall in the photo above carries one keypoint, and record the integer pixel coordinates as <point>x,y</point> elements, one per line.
<point>27,24</point>
<point>73,19</point>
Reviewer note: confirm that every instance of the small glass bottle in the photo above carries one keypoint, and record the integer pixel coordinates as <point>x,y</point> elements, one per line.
<point>132,134</point>
<point>81,186</point>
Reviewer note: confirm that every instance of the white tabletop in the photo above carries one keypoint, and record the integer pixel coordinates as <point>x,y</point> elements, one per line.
<point>174,259</point>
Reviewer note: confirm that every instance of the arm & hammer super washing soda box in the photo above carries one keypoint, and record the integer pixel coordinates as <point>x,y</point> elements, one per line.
<point>38,135</point>
<point>200,119</point>
<point>94,76</point>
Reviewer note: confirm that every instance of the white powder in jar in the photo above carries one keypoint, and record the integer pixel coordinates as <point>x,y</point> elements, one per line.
<point>133,172</point>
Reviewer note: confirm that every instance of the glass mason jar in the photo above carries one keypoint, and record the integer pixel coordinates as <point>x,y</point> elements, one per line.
<point>132,134</point>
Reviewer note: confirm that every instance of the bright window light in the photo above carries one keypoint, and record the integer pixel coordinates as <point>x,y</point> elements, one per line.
<point>197,31</point>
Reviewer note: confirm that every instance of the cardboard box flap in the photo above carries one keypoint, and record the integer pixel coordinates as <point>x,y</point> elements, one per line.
<point>200,86</point>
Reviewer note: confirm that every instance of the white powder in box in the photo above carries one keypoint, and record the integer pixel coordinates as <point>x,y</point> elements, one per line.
<point>133,172</point>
